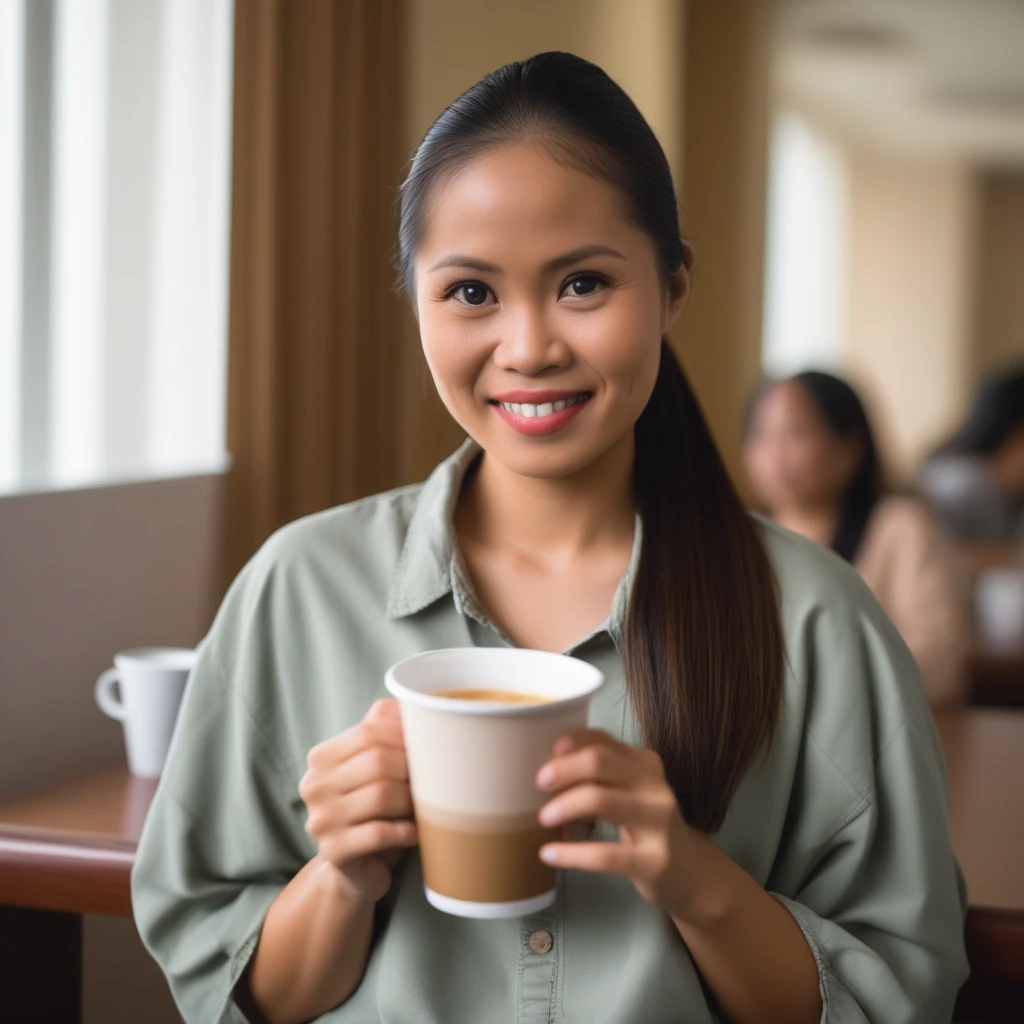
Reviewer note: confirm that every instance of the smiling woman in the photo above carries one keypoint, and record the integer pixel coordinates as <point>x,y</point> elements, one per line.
<point>754,691</point>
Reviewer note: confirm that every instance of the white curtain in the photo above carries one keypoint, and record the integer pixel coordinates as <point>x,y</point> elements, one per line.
<point>115,144</point>
<point>805,263</point>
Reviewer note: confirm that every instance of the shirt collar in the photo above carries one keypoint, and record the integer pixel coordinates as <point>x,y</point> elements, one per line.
<point>428,565</point>
<point>424,573</point>
<point>620,602</point>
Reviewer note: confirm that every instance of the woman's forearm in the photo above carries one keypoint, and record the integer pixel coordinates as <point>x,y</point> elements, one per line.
<point>312,949</point>
<point>748,948</point>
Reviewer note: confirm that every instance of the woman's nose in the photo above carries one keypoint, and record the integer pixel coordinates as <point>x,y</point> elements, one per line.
<point>529,346</point>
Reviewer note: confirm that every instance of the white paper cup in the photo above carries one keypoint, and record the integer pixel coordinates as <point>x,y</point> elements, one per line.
<point>472,766</point>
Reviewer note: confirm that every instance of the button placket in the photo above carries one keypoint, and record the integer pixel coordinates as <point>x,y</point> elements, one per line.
<point>539,964</point>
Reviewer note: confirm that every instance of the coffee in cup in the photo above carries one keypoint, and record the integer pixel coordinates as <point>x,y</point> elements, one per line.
<point>494,696</point>
<point>478,724</point>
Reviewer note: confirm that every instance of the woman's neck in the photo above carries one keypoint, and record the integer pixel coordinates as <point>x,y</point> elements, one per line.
<point>818,522</point>
<point>559,518</point>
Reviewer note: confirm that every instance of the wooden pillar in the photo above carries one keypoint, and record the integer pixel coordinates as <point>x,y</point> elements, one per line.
<point>726,78</point>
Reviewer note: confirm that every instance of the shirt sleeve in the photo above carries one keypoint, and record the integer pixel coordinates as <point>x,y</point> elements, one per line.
<point>881,904</point>
<point>225,831</point>
<point>868,870</point>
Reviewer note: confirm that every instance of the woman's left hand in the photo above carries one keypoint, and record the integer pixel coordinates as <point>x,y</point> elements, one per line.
<point>596,776</point>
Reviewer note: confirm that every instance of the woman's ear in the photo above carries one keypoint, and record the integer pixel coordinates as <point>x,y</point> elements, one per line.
<point>676,293</point>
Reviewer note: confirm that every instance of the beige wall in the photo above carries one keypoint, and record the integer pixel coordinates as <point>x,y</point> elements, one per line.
<point>84,574</point>
<point>998,333</point>
<point>909,298</point>
<point>453,43</point>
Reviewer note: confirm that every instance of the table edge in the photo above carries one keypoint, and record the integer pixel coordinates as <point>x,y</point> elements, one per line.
<point>74,876</point>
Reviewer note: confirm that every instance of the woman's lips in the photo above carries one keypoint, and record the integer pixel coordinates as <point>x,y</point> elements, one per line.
<point>540,412</point>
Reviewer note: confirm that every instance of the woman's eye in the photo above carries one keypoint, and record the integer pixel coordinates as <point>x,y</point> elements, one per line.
<point>582,285</point>
<point>472,293</point>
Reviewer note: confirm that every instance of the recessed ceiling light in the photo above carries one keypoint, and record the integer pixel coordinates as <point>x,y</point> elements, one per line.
<point>978,99</point>
<point>856,36</point>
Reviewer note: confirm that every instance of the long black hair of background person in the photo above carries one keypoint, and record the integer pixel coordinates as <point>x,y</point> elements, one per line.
<point>845,416</point>
<point>997,410</point>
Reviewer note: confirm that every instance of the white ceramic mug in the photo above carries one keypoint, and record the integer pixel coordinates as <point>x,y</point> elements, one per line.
<point>151,682</point>
<point>999,604</point>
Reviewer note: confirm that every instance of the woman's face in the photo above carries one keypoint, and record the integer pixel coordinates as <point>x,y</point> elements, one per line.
<point>793,460</point>
<point>541,310</point>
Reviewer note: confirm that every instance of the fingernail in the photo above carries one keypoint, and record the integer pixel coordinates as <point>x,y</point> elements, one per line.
<point>564,745</point>
<point>548,816</point>
<point>549,854</point>
<point>545,776</point>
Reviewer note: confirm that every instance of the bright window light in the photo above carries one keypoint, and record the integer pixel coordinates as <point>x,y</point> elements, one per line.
<point>115,151</point>
<point>806,241</point>
<point>12,73</point>
<point>78,244</point>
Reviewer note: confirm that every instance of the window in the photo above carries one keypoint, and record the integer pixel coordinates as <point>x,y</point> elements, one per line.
<point>805,263</point>
<point>115,143</point>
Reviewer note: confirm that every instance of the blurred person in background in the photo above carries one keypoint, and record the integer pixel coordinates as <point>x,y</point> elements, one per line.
<point>813,462</point>
<point>976,479</point>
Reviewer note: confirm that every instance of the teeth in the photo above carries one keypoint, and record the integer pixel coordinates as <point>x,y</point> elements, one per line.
<point>531,411</point>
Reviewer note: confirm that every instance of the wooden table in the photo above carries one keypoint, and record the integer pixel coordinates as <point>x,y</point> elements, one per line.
<point>985,760</point>
<point>64,852</point>
<point>69,850</point>
<point>997,677</point>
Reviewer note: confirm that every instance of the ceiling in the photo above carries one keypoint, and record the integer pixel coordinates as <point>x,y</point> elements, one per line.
<point>921,78</point>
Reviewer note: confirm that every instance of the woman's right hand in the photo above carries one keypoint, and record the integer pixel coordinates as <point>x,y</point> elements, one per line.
<point>356,791</point>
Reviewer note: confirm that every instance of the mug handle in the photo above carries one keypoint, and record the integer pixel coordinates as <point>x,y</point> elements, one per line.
<point>105,698</point>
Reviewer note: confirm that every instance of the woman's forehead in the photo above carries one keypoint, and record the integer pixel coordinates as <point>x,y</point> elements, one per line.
<point>519,199</point>
<point>789,398</point>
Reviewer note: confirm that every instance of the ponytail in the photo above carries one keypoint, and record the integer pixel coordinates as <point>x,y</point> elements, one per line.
<point>702,646</point>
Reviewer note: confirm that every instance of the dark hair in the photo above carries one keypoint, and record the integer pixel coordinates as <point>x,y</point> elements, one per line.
<point>702,646</point>
<point>997,410</point>
<point>844,415</point>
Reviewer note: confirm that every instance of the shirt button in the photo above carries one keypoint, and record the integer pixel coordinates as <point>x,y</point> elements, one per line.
<point>541,942</point>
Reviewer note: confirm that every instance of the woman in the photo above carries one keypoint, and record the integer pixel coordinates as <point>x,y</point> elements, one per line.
<point>590,513</point>
<point>813,463</point>
<point>976,480</point>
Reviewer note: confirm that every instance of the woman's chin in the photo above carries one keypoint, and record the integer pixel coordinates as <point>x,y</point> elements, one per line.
<point>545,458</point>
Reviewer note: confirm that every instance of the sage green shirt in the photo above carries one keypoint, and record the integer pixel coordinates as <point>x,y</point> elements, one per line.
<point>844,820</point>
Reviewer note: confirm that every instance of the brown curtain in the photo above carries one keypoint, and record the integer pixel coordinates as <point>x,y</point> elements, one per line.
<point>315,326</point>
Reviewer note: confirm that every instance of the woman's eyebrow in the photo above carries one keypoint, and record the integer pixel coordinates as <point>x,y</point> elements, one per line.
<point>583,253</point>
<point>456,259</point>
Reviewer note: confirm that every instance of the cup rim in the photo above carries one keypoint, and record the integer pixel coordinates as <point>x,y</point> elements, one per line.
<point>180,657</point>
<point>494,709</point>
